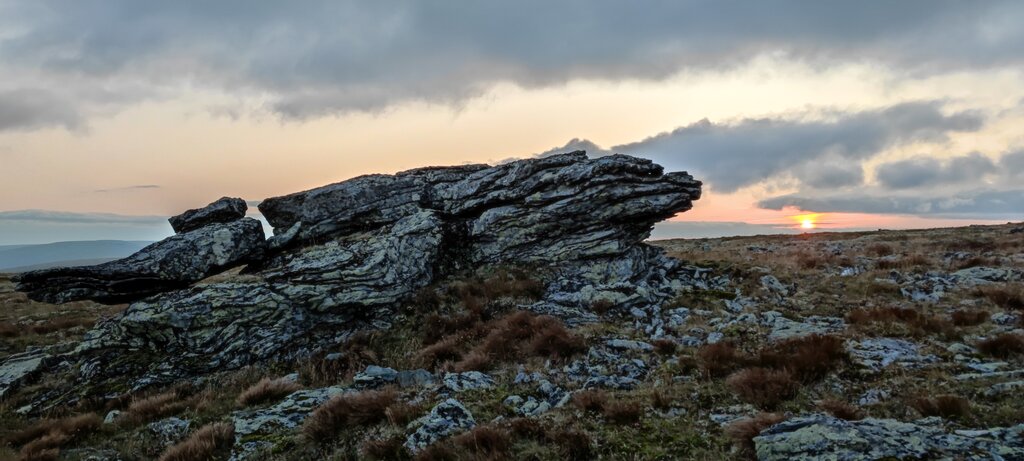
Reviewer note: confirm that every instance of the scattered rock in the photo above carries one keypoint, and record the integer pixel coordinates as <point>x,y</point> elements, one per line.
<point>284,416</point>
<point>878,353</point>
<point>783,328</point>
<point>773,285</point>
<point>445,419</point>
<point>629,345</point>
<point>224,210</point>
<point>169,430</point>
<point>824,437</point>
<point>998,389</point>
<point>873,397</point>
<point>467,381</point>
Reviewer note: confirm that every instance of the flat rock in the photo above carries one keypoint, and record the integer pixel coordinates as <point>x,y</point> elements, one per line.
<point>224,210</point>
<point>816,437</point>
<point>170,264</point>
<point>18,368</point>
<point>283,417</point>
<point>878,353</point>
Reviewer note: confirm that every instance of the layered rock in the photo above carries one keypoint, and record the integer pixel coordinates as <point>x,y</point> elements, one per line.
<point>170,264</point>
<point>224,210</point>
<point>824,437</point>
<point>346,255</point>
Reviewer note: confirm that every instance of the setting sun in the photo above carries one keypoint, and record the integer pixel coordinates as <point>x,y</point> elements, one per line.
<point>807,223</point>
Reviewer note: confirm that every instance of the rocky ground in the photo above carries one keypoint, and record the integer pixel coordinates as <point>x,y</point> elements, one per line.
<point>889,344</point>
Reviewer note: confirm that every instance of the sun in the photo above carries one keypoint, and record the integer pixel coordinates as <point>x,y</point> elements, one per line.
<point>807,223</point>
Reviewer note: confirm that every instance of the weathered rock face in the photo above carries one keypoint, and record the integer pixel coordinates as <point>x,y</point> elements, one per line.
<point>172,263</point>
<point>224,210</point>
<point>347,254</point>
<point>824,437</point>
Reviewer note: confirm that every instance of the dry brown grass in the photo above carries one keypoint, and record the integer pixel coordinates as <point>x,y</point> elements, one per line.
<point>347,411</point>
<point>742,432</point>
<point>917,323</point>
<point>720,359</point>
<point>485,442</point>
<point>1005,296</point>
<point>970,318</point>
<point>400,414</point>
<point>514,337</point>
<point>267,390</point>
<point>841,409</point>
<point>622,412</point>
<point>355,355</point>
<point>212,441</point>
<point>665,346</point>
<point>44,439</point>
<point>592,400</point>
<point>1003,346</point>
<point>807,358</point>
<point>601,306</point>
<point>155,407</point>
<point>573,444</point>
<point>763,387</point>
<point>879,250</point>
<point>946,406</point>
<point>388,449</point>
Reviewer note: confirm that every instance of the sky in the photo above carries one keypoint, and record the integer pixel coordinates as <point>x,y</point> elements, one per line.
<point>116,114</point>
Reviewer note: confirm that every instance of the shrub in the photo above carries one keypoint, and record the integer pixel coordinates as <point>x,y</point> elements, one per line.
<point>742,432</point>
<point>553,340</point>
<point>660,400</point>
<point>917,322</point>
<point>267,390</point>
<point>946,406</point>
<point>1003,346</point>
<point>573,444</point>
<point>346,411</point>
<point>155,407</point>
<point>209,442</point>
<point>763,387</point>
<point>619,412</point>
<point>400,414</point>
<point>841,409</point>
<point>969,318</point>
<point>9,330</point>
<point>593,400</point>
<point>720,359</point>
<point>601,306</point>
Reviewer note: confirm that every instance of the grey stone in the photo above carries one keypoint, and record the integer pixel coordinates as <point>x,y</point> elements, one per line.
<point>19,368</point>
<point>170,264</point>
<point>467,381</point>
<point>816,437</point>
<point>999,389</point>
<point>445,419</point>
<point>773,285</point>
<point>627,344</point>
<point>783,328</point>
<point>878,353</point>
<point>873,397</point>
<point>169,430</point>
<point>224,210</point>
<point>375,376</point>
<point>283,417</point>
<point>112,416</point>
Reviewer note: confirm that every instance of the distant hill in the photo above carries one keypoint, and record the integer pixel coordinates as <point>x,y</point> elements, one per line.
<point>19,258</point>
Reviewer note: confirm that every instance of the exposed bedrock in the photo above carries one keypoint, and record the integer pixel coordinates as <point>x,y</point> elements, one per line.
<point>170,264</point>
<point>224,210</point>
<point>346,255</point>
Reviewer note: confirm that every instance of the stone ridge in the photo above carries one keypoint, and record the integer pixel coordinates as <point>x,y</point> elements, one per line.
<point>346,255</point>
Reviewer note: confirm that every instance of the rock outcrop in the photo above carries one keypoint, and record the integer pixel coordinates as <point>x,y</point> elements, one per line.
<point>825,437</point>
<point>224,210</point>
<point>344,256</point>
<point>170,264</point>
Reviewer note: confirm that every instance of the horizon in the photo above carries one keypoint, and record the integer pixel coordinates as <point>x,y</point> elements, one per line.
<point>114,116</point>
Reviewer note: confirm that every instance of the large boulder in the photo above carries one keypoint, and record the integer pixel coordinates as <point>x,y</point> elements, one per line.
<point>170,264</point>
<point>224,210</point>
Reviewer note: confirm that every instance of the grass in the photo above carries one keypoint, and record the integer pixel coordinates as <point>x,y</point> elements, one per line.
<point>947,406</point>
<point>762,387</point>
<point>44,439</point>
<point>348,411</point>
<point>743,431</point>
<point>1002,346</point>
<point>210,442</point>
<point>267,390</point>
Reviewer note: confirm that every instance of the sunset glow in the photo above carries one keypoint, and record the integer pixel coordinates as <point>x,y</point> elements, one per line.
<point>806,223</point>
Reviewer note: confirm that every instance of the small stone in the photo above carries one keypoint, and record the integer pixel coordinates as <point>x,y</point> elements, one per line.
<point>169,430</point>
<point>445,419</point>
<point>224,210</point>
<point>466,381</point>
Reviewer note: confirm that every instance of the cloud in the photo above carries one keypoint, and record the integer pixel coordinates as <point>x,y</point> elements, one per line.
<point>66,217</point>
<point>928,171</point>
<point>992,204</point>
<point>30,109</point>
<point>819,153</point>
<point>129,188</point>
<point>319,57</point>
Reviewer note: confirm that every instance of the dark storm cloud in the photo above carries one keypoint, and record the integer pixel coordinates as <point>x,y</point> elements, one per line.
<point>825,153</point>
<point>29,109</point>
<point>319,57</point>
<point>928,171</point>
<point>995,204</point>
